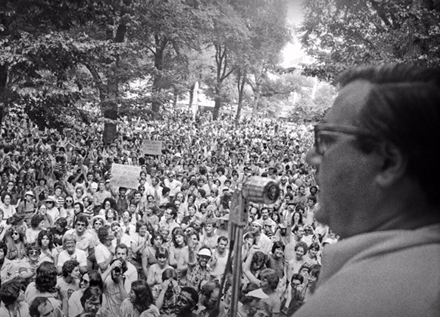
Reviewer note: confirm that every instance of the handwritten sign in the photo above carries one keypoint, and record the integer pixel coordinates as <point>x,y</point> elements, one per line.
<point>152,147</point>
<point>125,176</point>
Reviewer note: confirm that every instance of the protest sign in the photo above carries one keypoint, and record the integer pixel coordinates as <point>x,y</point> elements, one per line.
<point>152,147</point>
<point>125,176</point>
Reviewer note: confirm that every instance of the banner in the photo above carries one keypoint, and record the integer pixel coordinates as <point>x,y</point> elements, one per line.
<point>125,176</point>
<point>151,147</point>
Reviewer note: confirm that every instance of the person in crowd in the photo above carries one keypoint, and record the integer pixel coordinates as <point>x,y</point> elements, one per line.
<point>71,252</point>
<point>15,241</point>
<point>68,283</point>
<point>114,289</point>
<point>384,204</point>
<point>85,241</point>
<point>37,224</point>
<point>52,209</point>
<point>7,267</point>
<point>48,221</point>
<point>209,236</point>
<point>91,302</point>
<point>12,299</point>
<point>198,269</point>
<point>104,251</point>
<point>169,219</point>
<point>141,239</point>
<point>261,240</point>
<point>58,231</point>
<point>296,262</point>
<point>209,295</point>
<point>170,289</point>
<point>149,253</point>
<point>187,302</point>
<point>219,257</point>
<point>42,307</point>
<point>44,285</point>
<point>88,280</point>
<point>7,206</point>
<point>154,277</point>
<point>100,196</point>
<point>28,206</point>
<point>179,253</point>
<point>253,266</point>
<point>108,210</point>
<point>140,301</point>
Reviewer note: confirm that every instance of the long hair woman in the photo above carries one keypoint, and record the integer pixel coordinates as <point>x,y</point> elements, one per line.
<point>139,302</point>
<point>48,251</point>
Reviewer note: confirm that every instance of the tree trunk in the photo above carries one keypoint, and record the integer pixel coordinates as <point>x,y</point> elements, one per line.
<point>175,97</point>
<point>241,80</point>
<point>191,96</point>
<point>217,102</point>
<point>110,106</point>
<point>158,80</point>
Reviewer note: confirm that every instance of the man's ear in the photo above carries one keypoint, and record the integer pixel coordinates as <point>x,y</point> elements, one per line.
<point>393,166</point>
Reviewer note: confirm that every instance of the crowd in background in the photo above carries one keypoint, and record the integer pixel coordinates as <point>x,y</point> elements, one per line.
<point>72,244</point>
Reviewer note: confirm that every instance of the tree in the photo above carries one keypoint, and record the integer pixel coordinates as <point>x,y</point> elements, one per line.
<point>341,34</point>
<point>170,29</point>
<point>42,48</point>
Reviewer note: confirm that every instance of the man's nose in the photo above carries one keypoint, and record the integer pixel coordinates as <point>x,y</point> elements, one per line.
<point>312,157</point>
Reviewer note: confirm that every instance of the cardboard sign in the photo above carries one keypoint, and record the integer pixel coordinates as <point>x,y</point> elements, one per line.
<point>125,176</point>
<point>152,147</point>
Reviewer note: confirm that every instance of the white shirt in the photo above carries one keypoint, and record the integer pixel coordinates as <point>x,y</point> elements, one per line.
<point>78,255</point>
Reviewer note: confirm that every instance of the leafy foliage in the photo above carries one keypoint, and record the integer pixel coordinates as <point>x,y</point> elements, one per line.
<point>341,34</point>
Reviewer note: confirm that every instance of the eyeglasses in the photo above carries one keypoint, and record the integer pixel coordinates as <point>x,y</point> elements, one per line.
<point>327,134</point>
<point>33,252</point>
<point>15,233</point>
<point>80,224</point>
<point>69,200</point>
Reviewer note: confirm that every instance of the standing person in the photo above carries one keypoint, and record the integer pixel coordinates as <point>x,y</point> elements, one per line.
<point>71,252</point>
<point>52,209</point>
<point>114,289</point>
<point>6,206</point>
<point>85,241</point>
<point>37,224</point>
<point>154,277</point>
<point>100,195</point>
<point>27,207</point>
<point>219,258</point>
<point>378,180</point>
<point>7,266</point>
<point>44,285</point>
<point>88,280</point>
<point>140,301</point>
<point>68,283</point>
<point>103,251</point>
<point>198,269</point>
<point>48,221</point>
<point>48,251</point>
<point>12,299</point>
<point>91,302</point>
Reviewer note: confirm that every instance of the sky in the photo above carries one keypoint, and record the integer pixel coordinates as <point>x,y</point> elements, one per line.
<point>294,13</point>
<point>293,51</point>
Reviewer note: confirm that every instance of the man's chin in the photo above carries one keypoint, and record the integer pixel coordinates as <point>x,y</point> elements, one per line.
<point>321,216</point>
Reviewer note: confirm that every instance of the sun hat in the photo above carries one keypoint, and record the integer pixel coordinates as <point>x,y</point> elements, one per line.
<point>205,252</point>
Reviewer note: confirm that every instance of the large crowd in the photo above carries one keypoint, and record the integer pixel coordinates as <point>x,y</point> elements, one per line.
<point>72,244</point>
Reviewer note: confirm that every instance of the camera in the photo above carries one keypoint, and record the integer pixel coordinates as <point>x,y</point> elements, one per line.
<point>117,270</point>
<point>261,190</point>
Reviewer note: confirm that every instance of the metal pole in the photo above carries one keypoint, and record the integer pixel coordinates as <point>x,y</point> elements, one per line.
<point>237,233</point>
